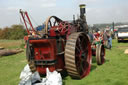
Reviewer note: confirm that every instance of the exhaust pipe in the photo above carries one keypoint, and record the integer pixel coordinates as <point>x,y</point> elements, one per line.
<point>84,26</point>
<point>82,9</point>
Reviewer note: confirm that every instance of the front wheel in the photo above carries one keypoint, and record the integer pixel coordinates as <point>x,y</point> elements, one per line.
<point>30,57</point>
<point>100,54</point>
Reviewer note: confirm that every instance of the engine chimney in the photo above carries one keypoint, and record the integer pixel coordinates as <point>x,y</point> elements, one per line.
<point>84,26</point>
<point>82,9</point>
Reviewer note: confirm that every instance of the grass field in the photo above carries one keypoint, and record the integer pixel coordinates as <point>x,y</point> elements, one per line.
<point>113,72</point>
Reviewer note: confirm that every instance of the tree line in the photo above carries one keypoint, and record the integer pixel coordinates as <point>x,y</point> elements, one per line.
<point>14,32</point>
<point>103,25</point>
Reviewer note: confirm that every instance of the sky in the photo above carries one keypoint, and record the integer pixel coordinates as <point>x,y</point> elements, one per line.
<point>97,11</point>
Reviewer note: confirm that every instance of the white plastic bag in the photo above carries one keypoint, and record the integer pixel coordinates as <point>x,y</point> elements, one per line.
<point>27,78</point>
<point>52,78</point>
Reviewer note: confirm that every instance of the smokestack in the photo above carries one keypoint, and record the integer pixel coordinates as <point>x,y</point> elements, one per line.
<point>84,25</point>
<point>82,9</point>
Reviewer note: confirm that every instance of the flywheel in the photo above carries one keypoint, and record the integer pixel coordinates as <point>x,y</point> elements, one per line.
<point>78,55</point>
<point>100,54</point>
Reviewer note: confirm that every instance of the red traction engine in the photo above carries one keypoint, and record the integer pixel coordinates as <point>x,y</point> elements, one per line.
<point>61,45</point>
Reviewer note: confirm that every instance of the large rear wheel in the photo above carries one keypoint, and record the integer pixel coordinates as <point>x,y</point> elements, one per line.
<point>78,55</point>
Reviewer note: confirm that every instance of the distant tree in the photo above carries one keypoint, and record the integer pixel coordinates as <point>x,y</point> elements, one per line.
<point>0,29</point>
<point>5,33</point>
<point>0,32</point>
<point>17,32</point>
<point>14,32</point>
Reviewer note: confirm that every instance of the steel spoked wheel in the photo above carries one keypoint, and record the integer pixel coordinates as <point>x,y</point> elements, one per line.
<point>78,55</point>
<point>100,54</point>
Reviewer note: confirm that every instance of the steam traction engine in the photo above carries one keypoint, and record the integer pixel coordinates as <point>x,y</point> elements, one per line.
<point>98,48</point>
<point>60,45</point>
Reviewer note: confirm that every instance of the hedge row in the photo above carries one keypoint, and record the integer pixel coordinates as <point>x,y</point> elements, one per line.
<point>14,32</point>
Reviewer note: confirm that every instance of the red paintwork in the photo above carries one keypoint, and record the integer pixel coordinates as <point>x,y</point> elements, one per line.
<point>89,60</point>
<point>45,49</point>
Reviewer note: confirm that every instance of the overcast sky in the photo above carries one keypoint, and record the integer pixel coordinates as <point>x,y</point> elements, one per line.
<point>98,11</point>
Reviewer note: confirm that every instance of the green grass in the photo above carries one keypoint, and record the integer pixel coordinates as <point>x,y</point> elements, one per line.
<point>11,66</point>
<point>10,44</point>
<point>113,72</point>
